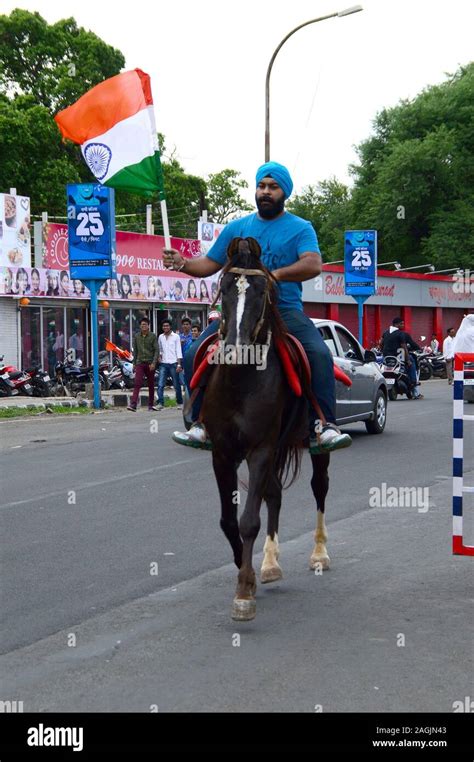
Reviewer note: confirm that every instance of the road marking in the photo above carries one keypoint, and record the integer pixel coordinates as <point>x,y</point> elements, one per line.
<point>89,485</point>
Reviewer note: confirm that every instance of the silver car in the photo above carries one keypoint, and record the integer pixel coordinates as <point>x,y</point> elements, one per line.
<point>366,399</point>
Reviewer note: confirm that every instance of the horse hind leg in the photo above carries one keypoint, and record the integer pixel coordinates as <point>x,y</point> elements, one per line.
<point>320,484</point>
<point>271,570</point>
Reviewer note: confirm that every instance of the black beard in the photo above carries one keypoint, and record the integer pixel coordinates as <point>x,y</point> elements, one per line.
<point>269,212</point>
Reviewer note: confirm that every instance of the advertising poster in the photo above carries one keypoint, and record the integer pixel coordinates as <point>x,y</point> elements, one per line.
<point>207,234</point>
<point>160,287</point>
<point>15,236</point>
<point>360,262</point>
<point>91,232</point>
<point>137,253</point>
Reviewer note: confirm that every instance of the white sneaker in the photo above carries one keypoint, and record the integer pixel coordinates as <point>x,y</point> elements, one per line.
<point>198,433</point>
<point>331,438</point>
<point>159,407</point>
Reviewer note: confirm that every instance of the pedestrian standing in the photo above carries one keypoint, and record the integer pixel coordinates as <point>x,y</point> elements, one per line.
<point>171,356</point>
<point>434,344</point>
<point>186,339</point>
<point>145,357</point>
<point>448,352</point>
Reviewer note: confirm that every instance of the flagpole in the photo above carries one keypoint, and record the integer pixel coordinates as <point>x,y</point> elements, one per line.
<point>166,229</point>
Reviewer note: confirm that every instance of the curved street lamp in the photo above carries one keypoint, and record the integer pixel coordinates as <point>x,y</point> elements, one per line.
<point>346,12</point>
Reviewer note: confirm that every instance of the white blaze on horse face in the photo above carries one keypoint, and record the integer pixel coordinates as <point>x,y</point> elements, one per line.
<point>242,286</point>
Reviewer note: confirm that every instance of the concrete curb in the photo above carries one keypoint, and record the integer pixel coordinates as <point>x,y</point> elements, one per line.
<point>47,402</point>
<point>108,400</point>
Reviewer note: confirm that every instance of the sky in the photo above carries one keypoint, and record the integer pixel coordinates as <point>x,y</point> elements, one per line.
<point>208,60</point>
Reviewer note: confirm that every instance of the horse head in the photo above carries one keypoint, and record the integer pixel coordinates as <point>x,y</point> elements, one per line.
<point>246,289</point>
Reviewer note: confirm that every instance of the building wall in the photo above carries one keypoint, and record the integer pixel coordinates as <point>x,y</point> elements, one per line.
<point>9,331</point>
<point>419,321</point>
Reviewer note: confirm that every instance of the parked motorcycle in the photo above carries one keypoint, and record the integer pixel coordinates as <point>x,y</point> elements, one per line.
<point>72,377</point>
<point>7,387</point>
<point>41,382</point>
<point>424,365</point>
<point>122,374</point>
<point>438,365</point>
<point>19,379</point>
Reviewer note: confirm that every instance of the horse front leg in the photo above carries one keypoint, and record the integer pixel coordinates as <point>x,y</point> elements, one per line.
<point>320,485</point>
<point>271,569</point>
<point>259,463</point>
<point>225,470</point>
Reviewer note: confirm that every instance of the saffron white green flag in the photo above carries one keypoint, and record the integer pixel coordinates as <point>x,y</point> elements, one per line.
<point>114,123</point>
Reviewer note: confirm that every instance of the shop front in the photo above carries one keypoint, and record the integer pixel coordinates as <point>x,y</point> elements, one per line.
<point>49,332</point>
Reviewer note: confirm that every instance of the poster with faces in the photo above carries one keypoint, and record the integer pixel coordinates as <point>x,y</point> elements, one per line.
<point>15,231</point>
<point>207,234</point>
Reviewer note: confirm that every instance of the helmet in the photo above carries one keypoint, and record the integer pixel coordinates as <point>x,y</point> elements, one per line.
<point>213,315</point>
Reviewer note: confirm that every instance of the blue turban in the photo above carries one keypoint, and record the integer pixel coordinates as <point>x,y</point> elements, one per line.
<point>279,173</point>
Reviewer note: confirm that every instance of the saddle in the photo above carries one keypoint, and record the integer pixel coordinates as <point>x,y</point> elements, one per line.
<point>292,356</point>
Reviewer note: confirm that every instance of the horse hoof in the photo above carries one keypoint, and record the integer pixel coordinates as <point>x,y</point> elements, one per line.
<point>271,574</point>
<point>244,609</point>
<point>321,562</point>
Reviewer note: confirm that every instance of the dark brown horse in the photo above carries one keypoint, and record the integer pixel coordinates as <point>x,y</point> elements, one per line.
<point>251,414</point>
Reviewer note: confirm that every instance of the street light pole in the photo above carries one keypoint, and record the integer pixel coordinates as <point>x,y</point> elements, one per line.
<point>346,12</point>
<point>415,267</point>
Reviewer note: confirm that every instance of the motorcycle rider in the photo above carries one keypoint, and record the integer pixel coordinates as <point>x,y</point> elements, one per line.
<point>412,366</point>
<point>398,343</point>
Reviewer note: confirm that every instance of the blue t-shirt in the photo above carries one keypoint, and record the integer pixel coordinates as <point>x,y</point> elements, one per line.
<point>186,341</point>
<point>282,240</point>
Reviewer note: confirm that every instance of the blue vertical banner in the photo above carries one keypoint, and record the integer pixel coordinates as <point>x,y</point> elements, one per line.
<point>92,249</point>
<point>360,268</point>
<point>360,262</point>
<point>91,232</point>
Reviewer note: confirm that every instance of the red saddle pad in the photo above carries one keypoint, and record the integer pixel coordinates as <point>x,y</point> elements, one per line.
<point>290,351</point>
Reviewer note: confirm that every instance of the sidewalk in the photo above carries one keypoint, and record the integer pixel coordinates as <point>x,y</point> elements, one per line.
<point>112,398</point>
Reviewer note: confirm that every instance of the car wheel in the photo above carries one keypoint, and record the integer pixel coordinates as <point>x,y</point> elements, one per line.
<point>392,394</point>
<point>377,424</point>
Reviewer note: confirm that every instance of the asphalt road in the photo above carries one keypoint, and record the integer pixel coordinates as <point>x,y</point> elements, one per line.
<point>90,503</point>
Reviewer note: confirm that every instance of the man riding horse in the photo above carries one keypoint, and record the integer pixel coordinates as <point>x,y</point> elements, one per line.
<point>290,250</point>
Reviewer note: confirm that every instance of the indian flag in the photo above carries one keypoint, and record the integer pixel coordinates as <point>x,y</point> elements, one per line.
<point>114,124</point>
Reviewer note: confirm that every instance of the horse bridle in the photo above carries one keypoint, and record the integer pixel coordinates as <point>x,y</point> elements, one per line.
<point>266,297</point>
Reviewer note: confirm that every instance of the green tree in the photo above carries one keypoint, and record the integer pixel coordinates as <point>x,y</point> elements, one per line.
<point>415,180</point>
<point>32,156</point>
<point>223,195</point>
<point>327,207</point>
<point>56,63</point>
<point>45,68</point>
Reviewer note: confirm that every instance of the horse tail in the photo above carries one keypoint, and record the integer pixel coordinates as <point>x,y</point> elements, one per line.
<point>290,443</point>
